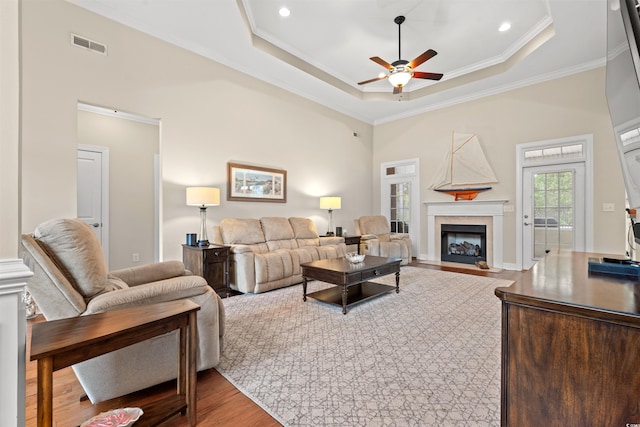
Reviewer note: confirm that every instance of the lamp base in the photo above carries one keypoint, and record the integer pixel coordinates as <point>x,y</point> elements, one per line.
<point>203,243</point>
<point>330,233</point>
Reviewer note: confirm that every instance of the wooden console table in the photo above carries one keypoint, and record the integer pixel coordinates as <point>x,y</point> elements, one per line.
<point>61,343</point>
<point>570,346</point>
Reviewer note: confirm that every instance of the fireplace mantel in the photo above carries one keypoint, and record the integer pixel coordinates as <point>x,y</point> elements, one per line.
<point>467,208</point>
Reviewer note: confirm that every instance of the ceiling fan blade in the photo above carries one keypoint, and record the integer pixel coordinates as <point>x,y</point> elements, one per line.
<point>422,58</point>
<point>382,62</point>
<point>430,76</point>
<point>372,80</point>
<point>397,90</point>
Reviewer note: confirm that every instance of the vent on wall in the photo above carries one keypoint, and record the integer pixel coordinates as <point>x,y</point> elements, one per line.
<point>85,43</point>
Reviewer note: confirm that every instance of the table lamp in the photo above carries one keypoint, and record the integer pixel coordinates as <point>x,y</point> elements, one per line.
<point>330,203</point>
<point>203,197</point>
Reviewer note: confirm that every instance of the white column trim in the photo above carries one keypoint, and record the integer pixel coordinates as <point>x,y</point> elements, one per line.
<point>13,280</point>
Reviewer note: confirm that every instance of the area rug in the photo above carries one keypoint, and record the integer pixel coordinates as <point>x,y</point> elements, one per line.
<point>428,356</point>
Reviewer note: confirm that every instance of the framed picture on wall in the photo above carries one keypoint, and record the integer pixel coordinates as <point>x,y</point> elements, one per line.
<point>246,183</point>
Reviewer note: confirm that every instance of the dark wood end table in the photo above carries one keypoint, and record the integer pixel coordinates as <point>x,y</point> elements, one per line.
<point>210,262</point>
<point>351,280</point>
<point>60,343</point>
<point>352,240</point>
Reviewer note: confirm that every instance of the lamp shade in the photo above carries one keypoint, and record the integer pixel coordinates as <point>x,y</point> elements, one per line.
<point>203,196</point>
<point>330,202</point>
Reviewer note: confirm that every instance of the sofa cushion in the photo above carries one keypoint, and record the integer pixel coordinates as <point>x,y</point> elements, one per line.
<point>273,266</point>
<point>376,224</point>
<point>278,233</point>
<point>303,228</point>
<point>332,251</point>
<point>305,254</point>
<point>276,228</point>
<point>246,231</point>
<point>76,248</point>
<point>275,245</point>
<point>305,231</point>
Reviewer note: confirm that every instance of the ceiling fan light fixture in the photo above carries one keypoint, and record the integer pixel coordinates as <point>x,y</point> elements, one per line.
<point>401,71</point>
<point>400,78</point>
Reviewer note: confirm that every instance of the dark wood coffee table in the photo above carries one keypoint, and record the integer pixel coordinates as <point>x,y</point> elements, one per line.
<point>351,280</point>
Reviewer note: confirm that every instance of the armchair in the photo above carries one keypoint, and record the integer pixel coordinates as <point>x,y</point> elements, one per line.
<point>71,279</point>
<point>376,239</point>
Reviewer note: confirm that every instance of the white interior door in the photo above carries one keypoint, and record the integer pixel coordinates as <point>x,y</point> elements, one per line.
<point>553,214</point>
<point>93,191</point>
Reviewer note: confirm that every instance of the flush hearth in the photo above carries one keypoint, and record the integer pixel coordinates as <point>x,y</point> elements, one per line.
<point>463,243</point>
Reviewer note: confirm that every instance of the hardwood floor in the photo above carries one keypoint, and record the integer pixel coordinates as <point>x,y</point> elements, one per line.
<point>219,402</point>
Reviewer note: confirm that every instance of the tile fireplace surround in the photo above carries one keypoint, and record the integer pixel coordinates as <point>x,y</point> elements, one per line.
<point>489,213</point>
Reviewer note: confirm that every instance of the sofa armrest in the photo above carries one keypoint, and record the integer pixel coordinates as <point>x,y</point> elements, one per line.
<point>331,240</point>
<point>153,272</point>
<point>368,237</point>
<point>240,249</point>
<point>150,293</point>
<point>398,236</point>
<point>370,247</point>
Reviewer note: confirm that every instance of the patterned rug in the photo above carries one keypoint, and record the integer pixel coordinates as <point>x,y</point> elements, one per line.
<point>428,356</point>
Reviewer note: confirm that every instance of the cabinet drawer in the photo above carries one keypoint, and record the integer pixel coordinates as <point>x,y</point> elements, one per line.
<point>379,271</point>
<point>216,254</point>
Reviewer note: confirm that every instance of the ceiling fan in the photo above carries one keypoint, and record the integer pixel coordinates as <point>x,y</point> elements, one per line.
<point>401,71</point>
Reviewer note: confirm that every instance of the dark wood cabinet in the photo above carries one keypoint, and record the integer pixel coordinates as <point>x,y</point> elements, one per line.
<point>210,262</point>
<point>353,240</point>
<point>570,346</point>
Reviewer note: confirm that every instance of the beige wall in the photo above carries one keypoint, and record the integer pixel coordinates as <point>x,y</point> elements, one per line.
<point>9,129</point>
<point>564,107</point>
<point>209,114</point>
<point>132,148</point>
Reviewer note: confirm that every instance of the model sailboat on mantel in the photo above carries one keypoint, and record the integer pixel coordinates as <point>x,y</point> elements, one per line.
<point>465,171</point>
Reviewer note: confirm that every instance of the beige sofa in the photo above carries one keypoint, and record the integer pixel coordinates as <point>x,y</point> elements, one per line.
<point>71,279</point>
<point>376,239</point>
<point>266,253</point>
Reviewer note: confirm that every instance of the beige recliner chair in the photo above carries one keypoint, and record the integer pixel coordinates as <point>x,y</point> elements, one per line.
<point>376,239</point>
<point>71,279</point>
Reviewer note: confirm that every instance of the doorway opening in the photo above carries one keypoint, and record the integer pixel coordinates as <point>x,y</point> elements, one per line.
<point>399,197</point>
<point>131,224</point>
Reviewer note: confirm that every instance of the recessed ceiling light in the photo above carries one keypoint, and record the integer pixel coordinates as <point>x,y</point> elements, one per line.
<point>505,26</point>
<point>284,11</point>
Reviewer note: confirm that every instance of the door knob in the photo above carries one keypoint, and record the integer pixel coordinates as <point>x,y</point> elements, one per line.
<point>527,223</point>
<point>95,224</point>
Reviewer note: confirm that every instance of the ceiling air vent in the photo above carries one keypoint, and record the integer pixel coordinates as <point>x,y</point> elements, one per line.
<point>85,43</point>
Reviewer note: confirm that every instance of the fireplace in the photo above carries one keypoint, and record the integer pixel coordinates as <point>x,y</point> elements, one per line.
<point>473,212</point>
<point>464,243</point>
